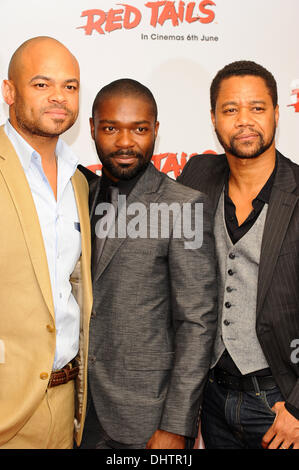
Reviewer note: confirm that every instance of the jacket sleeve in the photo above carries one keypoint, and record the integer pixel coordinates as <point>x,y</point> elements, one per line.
<point>192,270</point>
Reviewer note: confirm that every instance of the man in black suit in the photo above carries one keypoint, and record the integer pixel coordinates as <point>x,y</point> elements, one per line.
<point>252,396</point>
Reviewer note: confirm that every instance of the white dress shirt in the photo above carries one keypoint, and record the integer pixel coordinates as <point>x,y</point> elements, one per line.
<point>59,222</point>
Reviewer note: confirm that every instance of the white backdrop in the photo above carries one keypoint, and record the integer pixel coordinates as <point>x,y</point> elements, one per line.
<point>160,43</point>
<point>149,42</point>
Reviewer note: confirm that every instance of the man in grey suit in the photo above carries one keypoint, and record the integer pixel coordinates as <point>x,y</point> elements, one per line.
<point>252,397</point>
<point>154,315</point>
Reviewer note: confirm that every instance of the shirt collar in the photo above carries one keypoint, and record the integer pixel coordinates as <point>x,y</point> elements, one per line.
<point>124,186</point>
<point>265,192</point>
<point>26,153</point>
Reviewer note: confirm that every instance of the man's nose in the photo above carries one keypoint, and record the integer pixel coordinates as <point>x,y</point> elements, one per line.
<point>125,139</point>
<point>57,95</point>
<point>244,117</point>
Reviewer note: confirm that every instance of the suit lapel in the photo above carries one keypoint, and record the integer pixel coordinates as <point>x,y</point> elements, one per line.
<point>213,182</point>
<point>14,176</point>
<point>83,212</point>
<point>281,206</point>
<point>82,207</point>
<point>144,192</point>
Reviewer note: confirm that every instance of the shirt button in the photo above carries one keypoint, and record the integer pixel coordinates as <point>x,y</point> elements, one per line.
<point>44,375</point>
<point>226,322</point>
<point>50,328</point>
<point>230,272</point>
<point>229,289</point>
<point>228,304</point>
<point>232,256</point>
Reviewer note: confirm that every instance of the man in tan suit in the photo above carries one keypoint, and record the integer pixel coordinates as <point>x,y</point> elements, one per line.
<point>45,292</point>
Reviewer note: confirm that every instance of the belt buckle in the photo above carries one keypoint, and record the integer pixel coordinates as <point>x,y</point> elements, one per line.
<point>66,370</point>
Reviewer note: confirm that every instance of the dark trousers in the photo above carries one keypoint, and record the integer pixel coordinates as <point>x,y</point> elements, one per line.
<point>236,420</point>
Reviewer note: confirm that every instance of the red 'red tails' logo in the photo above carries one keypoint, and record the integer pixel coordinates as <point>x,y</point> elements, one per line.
<point>161,12</point>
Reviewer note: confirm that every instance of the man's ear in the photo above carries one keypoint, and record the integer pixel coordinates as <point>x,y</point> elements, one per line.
<point>156,128</point>
<point>91,123</point>
<point>8,92</point>
<point>213,118</point>
<point>276,111</point>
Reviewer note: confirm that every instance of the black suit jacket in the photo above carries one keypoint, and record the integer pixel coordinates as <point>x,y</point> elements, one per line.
<point>277,324</point>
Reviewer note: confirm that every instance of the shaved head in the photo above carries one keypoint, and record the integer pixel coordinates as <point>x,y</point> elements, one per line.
<point>42,89</point>
<point>39,42</point>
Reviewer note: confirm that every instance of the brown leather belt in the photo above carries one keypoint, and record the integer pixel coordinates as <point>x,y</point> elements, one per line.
<point>64,375</point>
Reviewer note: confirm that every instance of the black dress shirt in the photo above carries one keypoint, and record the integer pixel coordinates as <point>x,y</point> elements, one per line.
<point>124,186</point>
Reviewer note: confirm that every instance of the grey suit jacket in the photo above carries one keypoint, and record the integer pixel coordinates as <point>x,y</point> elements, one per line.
<point>277,322</point>
<point>153,323</point>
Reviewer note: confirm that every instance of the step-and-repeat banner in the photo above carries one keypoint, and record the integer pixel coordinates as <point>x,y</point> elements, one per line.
<point>173,47</point>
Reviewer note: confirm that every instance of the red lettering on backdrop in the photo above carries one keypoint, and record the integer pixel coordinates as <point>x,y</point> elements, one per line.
<point>114,19</point>
<point>135,13</point>
<point>189,13</point>
<point>128,17</point>
<point>91,23</point>
<point>171,163</point>
<point>210,13</point>
<point>169,12</point>
<point>296,105</point>
<point>155,11</point>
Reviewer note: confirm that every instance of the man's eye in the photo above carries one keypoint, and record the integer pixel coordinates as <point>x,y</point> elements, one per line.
<point>109,129</point>
<point>40,85</point>
<point>230,110</point>
<point>71,87</point>
<point>141,130</point>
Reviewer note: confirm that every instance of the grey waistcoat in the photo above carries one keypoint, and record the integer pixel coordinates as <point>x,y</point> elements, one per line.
<point>237,293</point>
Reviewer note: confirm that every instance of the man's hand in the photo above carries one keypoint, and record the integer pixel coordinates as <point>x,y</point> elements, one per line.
<point>165,440</point>
<point>284,431</point>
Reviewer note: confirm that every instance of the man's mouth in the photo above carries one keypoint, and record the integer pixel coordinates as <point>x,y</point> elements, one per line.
<point>125,159</point>
<point>56,113</point>
<point>246,137</point>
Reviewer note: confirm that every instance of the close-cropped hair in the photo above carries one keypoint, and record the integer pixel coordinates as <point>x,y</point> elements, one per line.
<point>242,68</point>
<point>125,87</point>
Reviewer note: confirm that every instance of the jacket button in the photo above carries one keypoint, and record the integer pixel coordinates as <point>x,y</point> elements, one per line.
<point>228,304</point>
<point>229,289</point>
<point>44,375</point>
<point>50,328</point>
<point>226,322</point>
<point>230,272</point>
<point>232,256</point>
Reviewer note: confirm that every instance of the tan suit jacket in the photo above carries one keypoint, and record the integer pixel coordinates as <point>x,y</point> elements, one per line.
<point>27,319</point>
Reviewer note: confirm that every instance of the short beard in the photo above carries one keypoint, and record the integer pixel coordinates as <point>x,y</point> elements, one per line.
<point>33,127</point>
<point>233,150</point>
<point>123,172</point>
